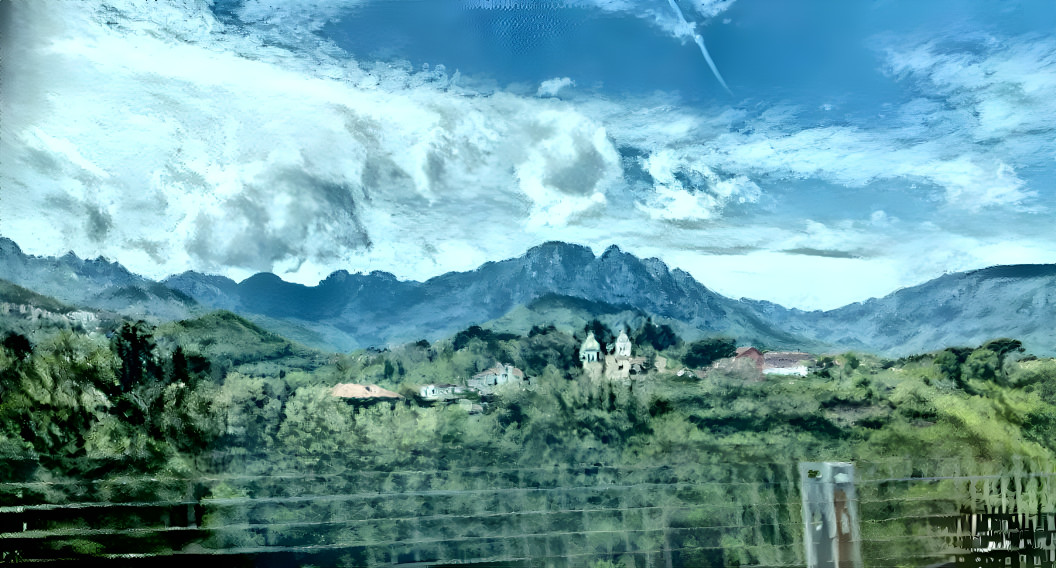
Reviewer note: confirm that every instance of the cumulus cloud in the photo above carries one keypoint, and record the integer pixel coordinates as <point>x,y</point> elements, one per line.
<point>685,190</point>
<point>169,140</point>
<point>253,164</point>
<point>551,87</point>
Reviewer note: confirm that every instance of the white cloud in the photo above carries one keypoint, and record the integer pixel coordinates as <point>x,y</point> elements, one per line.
<point>568,168</point>
<point>686,190</point>
<point>221,162</point>
<point>1007,83</point>
<point>971,177</point>
<point>710,8</point>
<point>171,146</point>
<point>551,87</point>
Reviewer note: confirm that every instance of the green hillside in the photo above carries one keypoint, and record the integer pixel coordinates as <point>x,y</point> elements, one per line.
<point>233,342</point>
<point>569,314</point>
<point>15,294</point>
<point>248,419</point>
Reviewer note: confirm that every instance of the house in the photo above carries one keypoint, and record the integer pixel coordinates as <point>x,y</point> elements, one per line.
<point>363,393</point>
<point>753,354</point>
<point>623,367</point>
<point>498,374</point>
<point>786,363</point>
<point>442,392</point>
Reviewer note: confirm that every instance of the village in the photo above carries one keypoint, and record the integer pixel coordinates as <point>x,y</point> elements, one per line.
<point>617,364</point>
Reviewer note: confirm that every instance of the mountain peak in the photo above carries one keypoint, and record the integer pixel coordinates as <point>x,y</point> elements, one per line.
<point>337,276</point>
<point>9,248</point>
<point>264,277</point>
<point>559,248</point>
<point>1016,271</point>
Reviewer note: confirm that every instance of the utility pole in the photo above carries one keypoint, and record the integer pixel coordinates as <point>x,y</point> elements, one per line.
<point>830,515</point>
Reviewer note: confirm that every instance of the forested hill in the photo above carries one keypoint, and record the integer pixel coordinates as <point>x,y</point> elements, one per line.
<point>224,413</point>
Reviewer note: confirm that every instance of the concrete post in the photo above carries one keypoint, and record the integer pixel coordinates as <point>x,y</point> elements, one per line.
<point>830,515</point>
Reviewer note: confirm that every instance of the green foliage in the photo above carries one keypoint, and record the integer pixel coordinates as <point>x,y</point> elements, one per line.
<point>252,411</point>
<point>1004,346</point>
<point>80,407</point>
<point>232,343</point>
<point>981,364</point>
<point>700,354</point>
<point>81,403</point>
<point>547,348</point>
<point>316,423</point>
<point>134,346</point>
<point>606,338</point>
<point>658,337</point>
<point>18,345</point>
<point>489,338</point>
<point>949,362</point>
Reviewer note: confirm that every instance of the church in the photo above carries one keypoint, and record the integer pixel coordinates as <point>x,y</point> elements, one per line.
<point>618,364</point>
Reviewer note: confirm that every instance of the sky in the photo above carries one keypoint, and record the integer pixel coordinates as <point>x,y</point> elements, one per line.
<point>857,148</point>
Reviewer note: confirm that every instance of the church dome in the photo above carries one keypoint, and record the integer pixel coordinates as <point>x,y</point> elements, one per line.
<point>591,344</point>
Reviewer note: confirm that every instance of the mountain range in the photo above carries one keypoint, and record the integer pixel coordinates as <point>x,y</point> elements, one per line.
<point>566,285</point>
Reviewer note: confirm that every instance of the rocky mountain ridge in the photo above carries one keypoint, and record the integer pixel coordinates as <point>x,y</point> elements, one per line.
<point>351,310</point>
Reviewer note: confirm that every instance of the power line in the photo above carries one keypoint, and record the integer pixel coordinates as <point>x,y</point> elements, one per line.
<point>427,518</point>
<point>372,495</point>
<point>673,468</point>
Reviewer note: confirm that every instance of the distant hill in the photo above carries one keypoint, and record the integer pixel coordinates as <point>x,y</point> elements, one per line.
<point>36,315</point>
<point>238,344</point>
<point>377,308</point>
<point>98,284</point>
<point>11,293</point>
<point>571,314</point>
<point>965,308</point>
<point>565,285</point>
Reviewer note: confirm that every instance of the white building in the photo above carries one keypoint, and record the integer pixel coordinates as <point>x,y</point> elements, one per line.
<point>590,351</point>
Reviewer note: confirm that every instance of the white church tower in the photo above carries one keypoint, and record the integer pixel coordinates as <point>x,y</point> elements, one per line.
<point>623,345</point>
<point>590,352</point>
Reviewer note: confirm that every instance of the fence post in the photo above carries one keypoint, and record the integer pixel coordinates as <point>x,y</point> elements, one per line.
<point>830,515</point>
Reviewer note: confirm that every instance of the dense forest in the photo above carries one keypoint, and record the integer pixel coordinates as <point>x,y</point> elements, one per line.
<point>218,410</point>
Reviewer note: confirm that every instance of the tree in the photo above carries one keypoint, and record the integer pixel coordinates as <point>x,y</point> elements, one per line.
<point>1003,346</point>
<point>601,332</point>
<point>658,337</point>
<point>18,345</point>
<point>702,353</point>
<point>315,425</point>
<point>987,362</point>
<point>188,368</point>
<point>134,346</point>
<point>982,364</point>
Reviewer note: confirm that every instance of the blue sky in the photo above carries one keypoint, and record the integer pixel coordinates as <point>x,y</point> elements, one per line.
<point>862,146</point>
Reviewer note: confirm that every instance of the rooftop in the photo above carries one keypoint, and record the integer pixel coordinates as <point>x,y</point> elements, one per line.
<point>353,390</point>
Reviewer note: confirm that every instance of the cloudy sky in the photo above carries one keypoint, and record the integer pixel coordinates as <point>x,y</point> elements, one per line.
<point>860,146</point>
